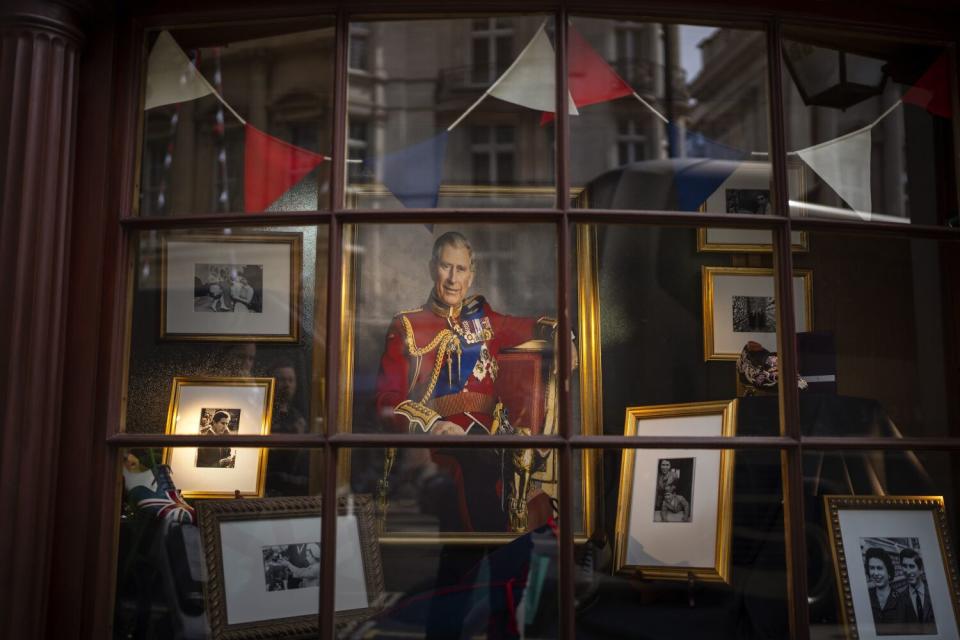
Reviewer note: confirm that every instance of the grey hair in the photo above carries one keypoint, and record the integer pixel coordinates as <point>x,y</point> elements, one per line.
<point>451,239</point>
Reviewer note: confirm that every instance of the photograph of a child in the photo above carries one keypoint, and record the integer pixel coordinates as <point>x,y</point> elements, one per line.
<point>674,495</point>
<point>291,566</point>
<point>228,287</point>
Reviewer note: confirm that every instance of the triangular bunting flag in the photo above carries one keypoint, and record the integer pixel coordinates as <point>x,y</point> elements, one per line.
<point>270,167</point>
<point>696,180</point>
<point>171,77</point>
<point>413,174</point>
<point>531,80</point>
<point>932,91</point>
<point>591,79</point>
<point>844,164</point>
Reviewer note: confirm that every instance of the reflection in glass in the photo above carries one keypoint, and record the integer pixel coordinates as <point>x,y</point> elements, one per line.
<point>459,125</point>
<point>670,117</point>
<point>275,81</point>
<point>189,319</point>
<point>868,129</point>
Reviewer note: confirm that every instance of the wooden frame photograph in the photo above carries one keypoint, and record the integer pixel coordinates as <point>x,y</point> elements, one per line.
<point>398,256</point>
<point>218,407</point>
<point>675,505</point>
<point>739,307</point>
<point>230,287</point>
<point>263,560</point>
<point>891,554</point>
<point>748,191</point>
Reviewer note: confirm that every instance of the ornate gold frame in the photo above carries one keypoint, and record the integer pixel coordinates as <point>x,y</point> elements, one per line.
<point>180,382</point>
<point>211,514</point>
<point>589,357</point>
<point>708,273</point>
<point>294,239</point>
<point>720,572</point>
<point>832,504</point>
<point>703,246</point>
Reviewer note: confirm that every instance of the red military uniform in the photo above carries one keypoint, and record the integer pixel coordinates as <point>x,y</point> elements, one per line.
<point>441,363</point>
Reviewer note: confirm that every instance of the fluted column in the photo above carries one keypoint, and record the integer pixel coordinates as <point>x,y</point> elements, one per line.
<point>39,55</point>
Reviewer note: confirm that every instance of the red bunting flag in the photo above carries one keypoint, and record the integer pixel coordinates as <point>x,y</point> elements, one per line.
<point>270,167</point>
<point>932,91</point>
<point>591,79</point>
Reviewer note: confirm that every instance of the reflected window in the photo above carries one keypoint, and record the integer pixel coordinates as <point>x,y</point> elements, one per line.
<point>491,48</point>
<point>492,150</point>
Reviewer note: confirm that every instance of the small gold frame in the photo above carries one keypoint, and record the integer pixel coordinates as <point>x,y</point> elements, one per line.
<point>704,246</point>
<point>179,383</point>
<point>293,239</point>
<point>710,273</point>
<point>720,571</point>
<point>833,504</point>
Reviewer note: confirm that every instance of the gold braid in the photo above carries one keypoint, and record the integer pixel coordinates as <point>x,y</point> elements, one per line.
<point>446,343</point>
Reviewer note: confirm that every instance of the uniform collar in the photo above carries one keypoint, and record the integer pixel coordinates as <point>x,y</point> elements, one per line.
<point>442,309</point>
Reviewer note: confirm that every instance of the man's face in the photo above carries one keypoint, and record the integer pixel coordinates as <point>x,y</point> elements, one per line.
<point>911,570</point>
<point>664,466</point>
<point>878,572</point>
<point>221,426</point>
<point>452,276</point>
<point>286,383</point>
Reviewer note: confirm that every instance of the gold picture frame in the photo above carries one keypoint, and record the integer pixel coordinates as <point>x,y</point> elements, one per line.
<point>661,547</point>
<point>194,404</point>
<point>588,343</point>
<point>723,338</point>
<point>239,605</point>
<point>178,301</point>
<point>908,531</point>
<point>706,244</point>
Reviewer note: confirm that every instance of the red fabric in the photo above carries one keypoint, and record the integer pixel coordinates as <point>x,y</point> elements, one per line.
<point>270,167</point>
<point>932,91</point>
<point>591,79</point>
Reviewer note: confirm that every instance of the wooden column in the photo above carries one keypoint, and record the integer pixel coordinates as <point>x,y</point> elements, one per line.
<point>39,62</point>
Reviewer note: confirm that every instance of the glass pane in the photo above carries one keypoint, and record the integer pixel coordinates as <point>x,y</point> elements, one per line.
<point>236,315</point>
<point>692,546</point>
<point>889,518</point>
<point>198,157</point>
<point>437,137</point>
<point>882,353</point>
<point>869,129</point>
<point>463,339</point>
<point>169,566</point>
<point>466,551</point>
<point>696,143</point>
<point>676,315</point>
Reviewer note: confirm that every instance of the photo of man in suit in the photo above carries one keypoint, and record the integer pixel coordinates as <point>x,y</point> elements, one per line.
<point>916,609</point>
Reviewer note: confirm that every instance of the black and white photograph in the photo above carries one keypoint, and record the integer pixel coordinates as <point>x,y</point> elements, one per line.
<point>675,508</point>
<point>218,422</point>
<point>754,314</point>
<point>231,288</point>
<point>755,201</point>
<point>899,596</point>
<point>291,566</point>
<point>739,307</point>
<point>674,492</point>
<point>892,565</point>
<point>217,408</point>
<point>228,288</point>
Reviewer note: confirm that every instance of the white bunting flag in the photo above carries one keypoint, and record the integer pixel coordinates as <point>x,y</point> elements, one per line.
<point>844,164</point>
<point>171,77</point>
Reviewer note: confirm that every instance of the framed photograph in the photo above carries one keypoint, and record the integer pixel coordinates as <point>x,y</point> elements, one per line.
<point>237,287</point>
<point>676,505</point>
<point>894,565</point>
<point>747,190</point>
<point>218,407</point>
<point>390,379</point>
<point>739,307</point>
<point>263,565</point>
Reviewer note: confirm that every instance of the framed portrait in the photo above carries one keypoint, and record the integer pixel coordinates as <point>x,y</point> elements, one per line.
<point>230,288</point>
<point>894,565</point>
<point>263,565</point>
<point>392,344</point>
<point>747,190</point>
<point>676,505</point>
<point>218,407</point>
<point>739,307</point>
